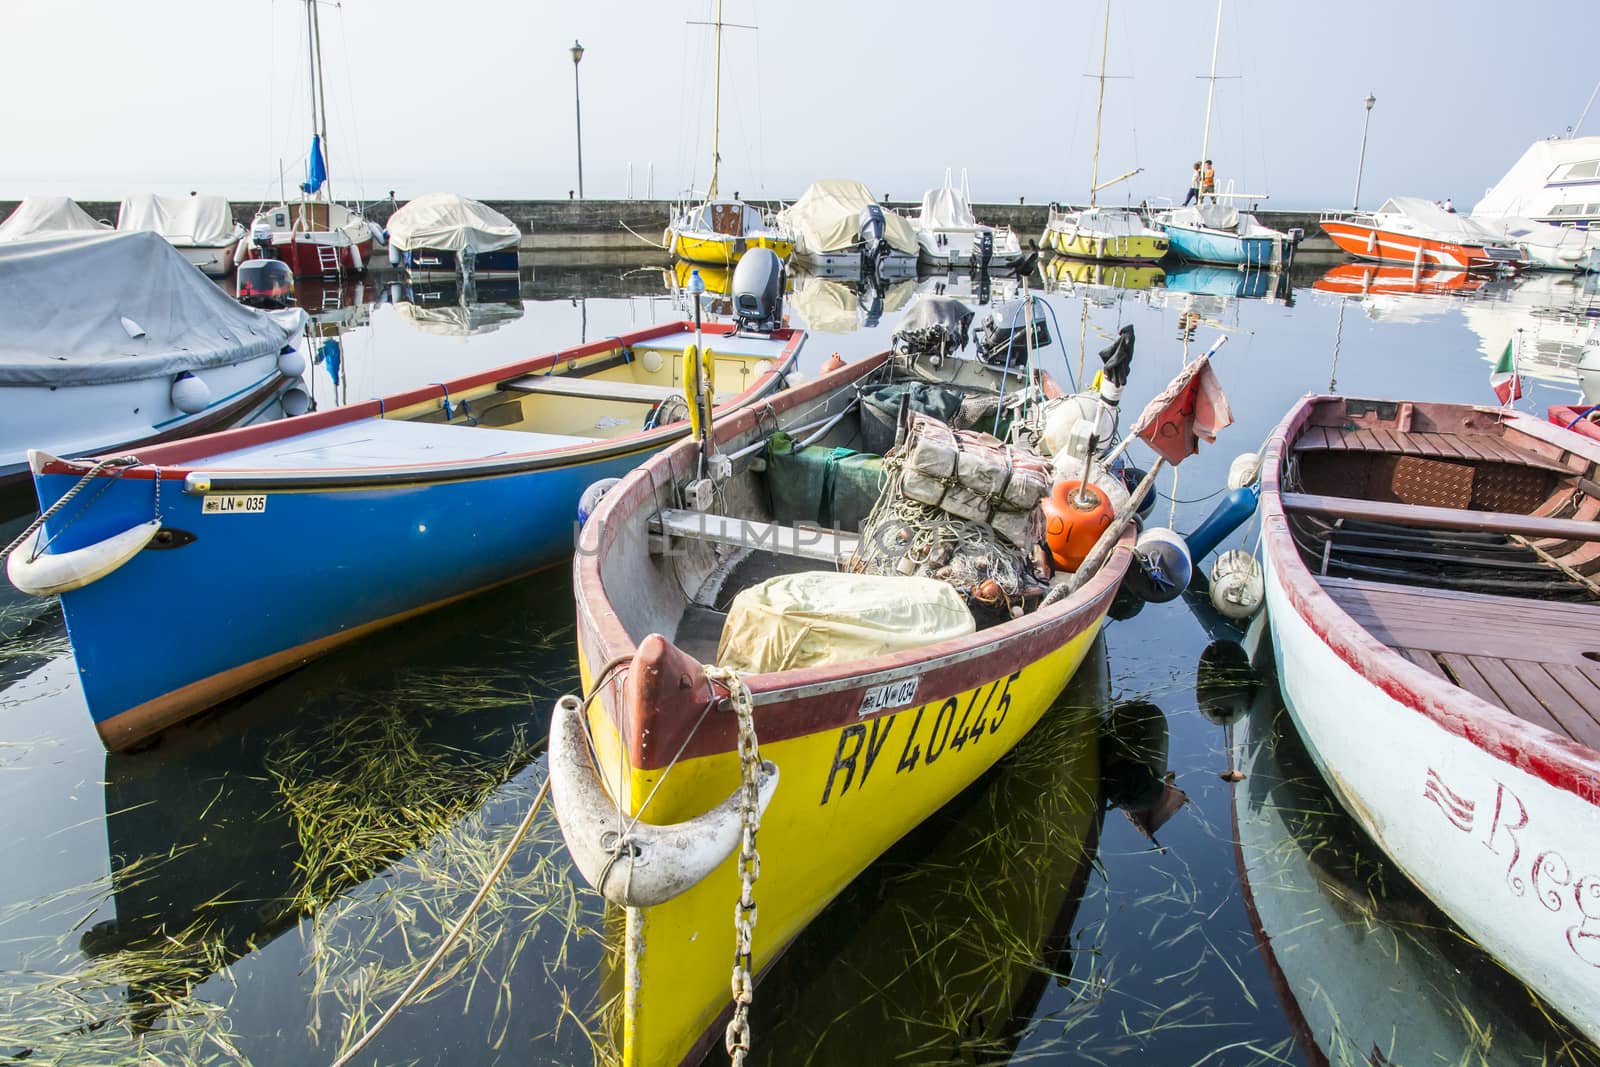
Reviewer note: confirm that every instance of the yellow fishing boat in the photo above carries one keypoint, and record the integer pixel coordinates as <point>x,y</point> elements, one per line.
<point>717,231</point>
<point>703,724</point>
<point>1067,274</point>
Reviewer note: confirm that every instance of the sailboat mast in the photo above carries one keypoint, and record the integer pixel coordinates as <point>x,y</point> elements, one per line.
<point>716,111</point>
<point>1211,85</point>
<point>1100,105</point>
<point>322,102</point>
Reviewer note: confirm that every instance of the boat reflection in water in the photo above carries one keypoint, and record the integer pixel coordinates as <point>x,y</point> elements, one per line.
<point>452,309</point>
<point>941,950</point>
<point>1102,280</point>
<point>1368,971</point>
<point>829,305</point>
<point>1203,280</point>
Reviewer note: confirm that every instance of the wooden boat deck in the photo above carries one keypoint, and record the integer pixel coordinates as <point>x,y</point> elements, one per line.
<point>1470,448</point>
<point>1539,660</point>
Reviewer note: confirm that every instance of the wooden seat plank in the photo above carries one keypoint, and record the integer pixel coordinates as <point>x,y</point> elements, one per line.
<point>585,388</point>
<point>1427,444</point>
<point>1577,721</point>
<point>1424,660</point>
<point>809,542</point>
<point>1313,438</point>
<point>1580,683</point>
<point>1514,695</point>
<point>1386,440</point>
<point>1363,440</point>
<point>1443,518</point>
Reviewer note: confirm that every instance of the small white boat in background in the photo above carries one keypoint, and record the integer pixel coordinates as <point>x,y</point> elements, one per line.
<point>950,236</point>
<point>114,340</point>
<point>839,226</point>
<point>441,235</point>
<point>201,227</point>
<point>48,216</point>
<point>1547,247</point>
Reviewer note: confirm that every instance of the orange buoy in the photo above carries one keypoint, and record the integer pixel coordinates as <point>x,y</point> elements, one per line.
<point>833,363</point>
<point>1074,521</point>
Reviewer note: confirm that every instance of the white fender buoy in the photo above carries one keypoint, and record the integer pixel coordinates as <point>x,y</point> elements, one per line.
<point>355,258</point>
<point>1244,470</point>
<point>50,573</point>
<point>190,395</point>
<point>291,364</point>
<point>651,864</point>
<point>295,401</point>
<point>1237,587</point>
<point>651,361</point>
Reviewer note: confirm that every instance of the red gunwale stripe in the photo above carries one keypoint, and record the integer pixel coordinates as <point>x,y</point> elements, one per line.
<point>1557,761</point>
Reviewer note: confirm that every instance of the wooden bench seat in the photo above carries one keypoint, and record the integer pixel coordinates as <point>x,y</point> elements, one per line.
<point>583,388</point>
<point>1468,448</point>
<point>809,542</point>
<point>1340,507</point>
<point>1539,660</point>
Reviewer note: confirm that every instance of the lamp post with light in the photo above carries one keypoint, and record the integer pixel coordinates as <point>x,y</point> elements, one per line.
<point>577,103</point>
<point>1362,162</point>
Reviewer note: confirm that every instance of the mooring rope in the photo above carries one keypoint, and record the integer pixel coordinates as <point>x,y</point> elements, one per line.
<point>100,465</point>
<point>455,932</point>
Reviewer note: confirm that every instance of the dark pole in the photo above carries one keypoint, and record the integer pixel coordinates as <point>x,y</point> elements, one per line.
<point>577,103</point>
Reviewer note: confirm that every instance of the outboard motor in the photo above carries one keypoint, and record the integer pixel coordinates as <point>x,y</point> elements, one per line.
<point>758,291</point>
<point>870,227</point>
<point>264,283</point>
<point>261,237</point>
<point>982,251</point>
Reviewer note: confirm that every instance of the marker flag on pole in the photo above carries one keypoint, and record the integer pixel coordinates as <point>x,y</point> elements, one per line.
<point>1192,408</point>
<point>1504,379</point>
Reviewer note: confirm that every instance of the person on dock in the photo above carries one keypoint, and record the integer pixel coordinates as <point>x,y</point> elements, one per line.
<point>1194,187</point>
<point>1208,181</point>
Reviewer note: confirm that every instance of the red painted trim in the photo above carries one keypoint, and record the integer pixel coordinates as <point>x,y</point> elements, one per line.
<point>172,458</point>
<point>1562,414</point>
<point>1557,761</point>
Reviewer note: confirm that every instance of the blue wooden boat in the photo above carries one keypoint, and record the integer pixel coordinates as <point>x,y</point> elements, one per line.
<point>205,567</point>
<point>1219,233</point>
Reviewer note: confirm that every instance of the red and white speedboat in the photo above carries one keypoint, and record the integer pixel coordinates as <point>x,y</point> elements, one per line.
<point>1409,229</point>
<point>1365,279</point>
<point>1430,585</point>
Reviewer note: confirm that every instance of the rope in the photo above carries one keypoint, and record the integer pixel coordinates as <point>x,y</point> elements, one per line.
<point>94,471</point>
<point>455,932</point>
<point>737,1037</point>
<point>642,237</point>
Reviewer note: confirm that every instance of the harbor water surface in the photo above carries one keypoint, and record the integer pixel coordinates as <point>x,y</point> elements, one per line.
<point>258,885</point>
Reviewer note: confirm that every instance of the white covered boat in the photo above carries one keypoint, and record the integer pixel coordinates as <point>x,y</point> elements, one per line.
<point>949,235</point>
<point>1556,180</point>
<point>112,341</point>
<point>443,235</point>
<point>48,216</point>
<point>1431,588</point>
<point>201,227</point>
<point>1547,246</point>
<point>838,225</point>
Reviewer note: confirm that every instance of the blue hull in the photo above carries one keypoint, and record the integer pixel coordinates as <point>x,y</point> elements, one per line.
<point>1210,246</point>
<point>1209,280</point>
<point>309,571</point>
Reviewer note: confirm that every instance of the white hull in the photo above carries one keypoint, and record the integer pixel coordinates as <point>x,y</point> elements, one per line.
<point>848,264</point>
<point>1513,860</point>
<point>215,261</point>
<point>89,419</point>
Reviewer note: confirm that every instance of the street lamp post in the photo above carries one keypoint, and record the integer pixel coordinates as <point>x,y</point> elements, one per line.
<point>577,104</point>
<point>1360,164</point>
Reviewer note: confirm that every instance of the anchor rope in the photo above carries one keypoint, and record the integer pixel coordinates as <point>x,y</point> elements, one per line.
<point>100,465</point>
<point>455,931</point>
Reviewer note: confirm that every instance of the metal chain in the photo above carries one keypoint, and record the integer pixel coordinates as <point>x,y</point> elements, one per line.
<point>737,1037</point>
<point>100,465</point>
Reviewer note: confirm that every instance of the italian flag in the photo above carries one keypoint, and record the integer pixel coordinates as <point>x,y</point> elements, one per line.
<point>1504,379</point>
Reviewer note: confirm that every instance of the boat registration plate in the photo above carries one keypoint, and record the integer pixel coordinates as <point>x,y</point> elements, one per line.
<point>230,504</point>
<point>889,695</point>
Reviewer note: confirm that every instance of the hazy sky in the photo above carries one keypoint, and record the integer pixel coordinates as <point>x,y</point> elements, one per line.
<point>104,97</point>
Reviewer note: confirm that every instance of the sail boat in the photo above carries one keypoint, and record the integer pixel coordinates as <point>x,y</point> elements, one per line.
<point>718,231</point>
<point>313,235</point>
<point>1217,231</point>
<point>1103,233</point>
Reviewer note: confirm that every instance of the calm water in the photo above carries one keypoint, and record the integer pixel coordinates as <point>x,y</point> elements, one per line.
<point>258,886</point>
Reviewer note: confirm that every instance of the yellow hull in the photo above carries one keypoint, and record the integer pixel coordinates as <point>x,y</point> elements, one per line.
<point>721,250</point>
<point>844,796</point>
<point>1138,248</point>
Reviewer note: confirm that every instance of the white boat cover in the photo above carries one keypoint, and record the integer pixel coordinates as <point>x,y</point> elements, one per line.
<point>40,216</point>
<point>795,621</point>
<point>945,209</point>
<point>1110,222</point>
<point>458,320</point>
<point>827,218</point>
<point>1208,215</point>
<point>185,221</point>
<point>1436,222</point>
<point>117,307</point>
<point>450,223</point>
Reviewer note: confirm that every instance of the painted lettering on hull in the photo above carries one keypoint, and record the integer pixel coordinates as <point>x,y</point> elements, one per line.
<point>1511,833</point>
<point>952,726</point>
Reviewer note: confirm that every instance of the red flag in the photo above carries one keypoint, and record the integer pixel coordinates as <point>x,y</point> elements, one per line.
<point>1191,407</point>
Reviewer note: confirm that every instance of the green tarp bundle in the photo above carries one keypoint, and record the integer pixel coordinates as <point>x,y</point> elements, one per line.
<point>832,487</point>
